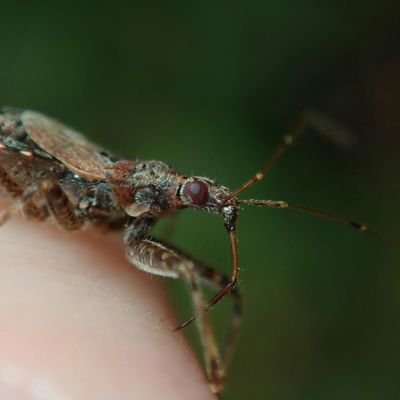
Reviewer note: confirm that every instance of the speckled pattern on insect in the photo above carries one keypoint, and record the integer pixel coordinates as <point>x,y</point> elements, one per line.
<point>53,173</point>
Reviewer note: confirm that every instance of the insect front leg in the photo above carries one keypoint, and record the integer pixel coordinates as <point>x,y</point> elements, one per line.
<point>158,259</point>
<point>215,279</point>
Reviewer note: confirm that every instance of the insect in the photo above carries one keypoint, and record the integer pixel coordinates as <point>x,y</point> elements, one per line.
<point>53,173</point>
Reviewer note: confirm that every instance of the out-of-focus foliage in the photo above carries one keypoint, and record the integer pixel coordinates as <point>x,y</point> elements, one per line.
<point>209,87</point>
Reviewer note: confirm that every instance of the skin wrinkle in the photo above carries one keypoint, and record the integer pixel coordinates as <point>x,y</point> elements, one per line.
<point>75,314</point>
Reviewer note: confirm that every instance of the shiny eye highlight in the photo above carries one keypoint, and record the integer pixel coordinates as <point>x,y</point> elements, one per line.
<point>197,191</point>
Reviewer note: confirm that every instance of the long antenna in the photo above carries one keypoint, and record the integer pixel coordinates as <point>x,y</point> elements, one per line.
<point>287,140</point>
<point>321,214</point>
<point>308,118</point>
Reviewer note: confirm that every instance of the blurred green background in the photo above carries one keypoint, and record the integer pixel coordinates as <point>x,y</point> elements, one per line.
<point>209,87</point>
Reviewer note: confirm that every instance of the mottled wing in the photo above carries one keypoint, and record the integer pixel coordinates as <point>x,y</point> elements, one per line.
<point>64,144</point>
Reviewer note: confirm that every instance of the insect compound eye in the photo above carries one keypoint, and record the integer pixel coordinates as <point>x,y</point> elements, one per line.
<point>197,191</point>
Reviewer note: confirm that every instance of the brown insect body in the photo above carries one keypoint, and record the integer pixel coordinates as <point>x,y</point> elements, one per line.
<point>101,187</point>
<point>52,172</point>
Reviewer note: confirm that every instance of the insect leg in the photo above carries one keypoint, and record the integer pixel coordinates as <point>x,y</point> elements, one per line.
<point>215,279</point>
<point>39,199</point>
<point>15,192</point>
<point>157,259</point>
<point>9,186</point>
<point>59,204</point>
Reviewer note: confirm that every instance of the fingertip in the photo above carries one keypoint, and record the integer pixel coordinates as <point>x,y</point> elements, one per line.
<point>79,319</point>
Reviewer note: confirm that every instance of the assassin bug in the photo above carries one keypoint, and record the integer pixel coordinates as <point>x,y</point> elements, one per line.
<point>53,173</point>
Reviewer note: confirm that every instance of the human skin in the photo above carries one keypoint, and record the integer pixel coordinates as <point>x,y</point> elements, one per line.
<point>79,322</point>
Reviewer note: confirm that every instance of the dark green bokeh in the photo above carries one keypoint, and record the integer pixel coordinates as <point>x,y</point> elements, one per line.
<point>210,88</point>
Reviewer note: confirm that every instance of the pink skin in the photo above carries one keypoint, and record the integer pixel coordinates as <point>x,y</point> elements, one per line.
<point>78,322</point>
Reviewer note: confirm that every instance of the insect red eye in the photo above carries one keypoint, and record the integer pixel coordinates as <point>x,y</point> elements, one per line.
<point>197,191</point>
